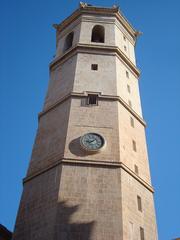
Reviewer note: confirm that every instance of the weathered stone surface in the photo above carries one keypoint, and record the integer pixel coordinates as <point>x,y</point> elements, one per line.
<point>70,193</point>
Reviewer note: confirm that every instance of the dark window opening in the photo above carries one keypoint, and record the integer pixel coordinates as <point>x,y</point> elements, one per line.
<point>136,169</point>
<point>130,104</point>
<point>92,99</point>
<point>132,122</point>
<point>127,74</point>
<point>134,145</point>
<point>139,203</point>
<point>94,67</point>
<point>68,41</point>
<point>142,233</point>
<point>98,34</point>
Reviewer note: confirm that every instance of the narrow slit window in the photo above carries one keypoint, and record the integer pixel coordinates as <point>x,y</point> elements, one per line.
<point>127,74</point>
<point>128,88</point>
<point>136,169</point>
<point>92,99</point>
<point>125,48</point>
<point>134,145</point>
<point>139,203</point>
<point>94,67</point>
<point>132,121</point>
<point>130,103</point>
<point>142,237</point>
<point>124,38</point>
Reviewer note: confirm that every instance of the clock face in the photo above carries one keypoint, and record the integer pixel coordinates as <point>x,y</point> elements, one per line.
<point>92,142</point>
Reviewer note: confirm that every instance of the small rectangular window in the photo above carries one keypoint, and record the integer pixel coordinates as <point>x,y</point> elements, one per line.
<point>136,169</point>
<point>128,88</point>
<point>139,203</point>
<point>125,48</point>
<point>134,145</point>
<point>132,121</point>
<point>130,104</point>
<point>142,233</point>
<point>94,67</point>
<point>127,74</point>
<point>124,38</point>
<point>92,99</point>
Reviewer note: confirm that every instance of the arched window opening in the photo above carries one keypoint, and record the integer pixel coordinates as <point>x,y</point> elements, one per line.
<point>68,41</point>
<point>98,34</point>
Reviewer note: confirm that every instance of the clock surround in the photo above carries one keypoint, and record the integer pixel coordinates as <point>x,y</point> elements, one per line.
<point>92,142</point>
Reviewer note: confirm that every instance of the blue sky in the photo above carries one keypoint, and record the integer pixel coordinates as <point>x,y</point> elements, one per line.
<point>27,45</point>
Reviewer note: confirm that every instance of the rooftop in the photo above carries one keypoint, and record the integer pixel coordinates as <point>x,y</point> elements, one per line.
<point>91,9</point>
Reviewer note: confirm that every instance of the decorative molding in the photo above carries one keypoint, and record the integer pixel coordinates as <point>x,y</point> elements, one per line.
<point>61,100</point>
<point>85,8</point>
<point>82,5</point>
<point>109,164</point>
<point>39,172</point>
<point>92,163</point>
<point>100,96</point>
<point>95,49</point>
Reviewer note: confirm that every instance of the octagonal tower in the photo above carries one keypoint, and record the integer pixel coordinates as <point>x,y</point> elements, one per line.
<point>89,176</point>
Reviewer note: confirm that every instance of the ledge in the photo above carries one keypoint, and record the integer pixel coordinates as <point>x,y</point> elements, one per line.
<point>94,10</point>
<point>95,49</point>
<point>91,163</point>
<point>100,96</point>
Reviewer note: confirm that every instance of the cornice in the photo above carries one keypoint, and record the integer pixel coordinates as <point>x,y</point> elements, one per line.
<point>90,163</point>
<point>100,96</point>
<point>96,49</point>
<point>93,10</point>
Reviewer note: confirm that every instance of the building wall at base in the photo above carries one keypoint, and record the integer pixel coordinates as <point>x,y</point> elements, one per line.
<point>38,207</point>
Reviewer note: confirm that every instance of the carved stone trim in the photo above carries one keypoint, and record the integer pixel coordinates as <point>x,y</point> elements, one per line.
<point>86,9</point>
<point>91,163</point>
<point>100,96</point>
<point>95,49</point>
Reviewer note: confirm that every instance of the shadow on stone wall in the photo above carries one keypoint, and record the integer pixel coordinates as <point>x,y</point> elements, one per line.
<point>66,230</point>
<point>75,148</point>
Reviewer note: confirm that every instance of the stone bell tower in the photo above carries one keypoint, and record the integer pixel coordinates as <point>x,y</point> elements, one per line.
<point>89,176</point>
